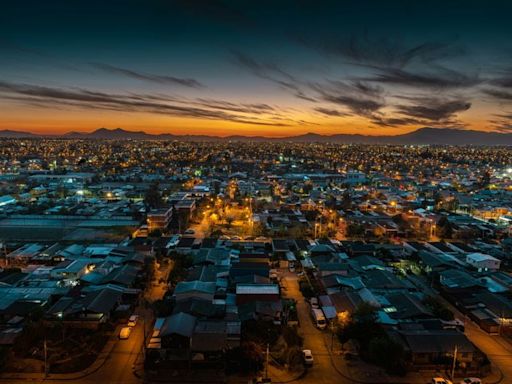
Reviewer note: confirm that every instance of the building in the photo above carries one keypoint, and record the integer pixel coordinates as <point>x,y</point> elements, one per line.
<point>159,219</point>
<point>483,262</point>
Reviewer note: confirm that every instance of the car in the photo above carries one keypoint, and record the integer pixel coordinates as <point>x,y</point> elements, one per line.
<point>132,321</point>
<point>190,232</point>
<point>125,333</point>
<point>440,380</point>
<point>173,242</point>
<point>471,380</point>
<point>308,357</point>
<point>313,302</point>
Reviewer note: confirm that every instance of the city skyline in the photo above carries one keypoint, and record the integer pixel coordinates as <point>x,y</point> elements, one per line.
<point>271,69</point>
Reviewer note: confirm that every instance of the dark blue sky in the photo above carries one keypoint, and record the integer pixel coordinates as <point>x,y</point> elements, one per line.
<point>262,67</point>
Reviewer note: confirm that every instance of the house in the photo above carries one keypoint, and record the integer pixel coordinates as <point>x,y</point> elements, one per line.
<point>407,307</point>
<point>194,289</point>
<point>159,219</point>
<point>71,270</point>
<point>435,348</point>
<point>209,339</point>
<point>87,310</point>
<point>175,336</point>
<point>256,292</point>
<point>483,262</point>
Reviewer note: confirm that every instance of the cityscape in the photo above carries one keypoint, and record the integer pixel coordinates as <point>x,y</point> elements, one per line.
<point>212,191</point>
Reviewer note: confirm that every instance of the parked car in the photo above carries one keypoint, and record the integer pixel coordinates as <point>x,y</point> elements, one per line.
<point>190,232</point>
<point>471,380</point>
<point>318,318</point>
<point>132,321</point>
<point>125,333</point>
<point>173,242</point>
<point>308,357</point>
<point>440,380</point>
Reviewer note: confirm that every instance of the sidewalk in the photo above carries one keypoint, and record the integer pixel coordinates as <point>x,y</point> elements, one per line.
<point>97,364</point>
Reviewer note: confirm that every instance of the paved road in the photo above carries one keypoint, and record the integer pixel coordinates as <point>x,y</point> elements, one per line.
<point>126,355</point>
<point>322,371</point>
<point>497,348</point>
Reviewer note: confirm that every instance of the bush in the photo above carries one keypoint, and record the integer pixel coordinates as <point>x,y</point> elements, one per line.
<point>438,309</point>
<point>248,358</point>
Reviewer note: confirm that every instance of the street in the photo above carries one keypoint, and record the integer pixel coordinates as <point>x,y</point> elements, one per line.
<point>497,348</point>
<point>124,363</point>
<point>322,371</point>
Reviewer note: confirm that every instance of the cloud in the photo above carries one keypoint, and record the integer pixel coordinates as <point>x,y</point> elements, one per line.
<point>499,94</point>
<point>504,81</point>
<point>273,73</point>
<point>360,98</point>
<point>331,112</point>
<point>432,108</point>
<point>83,98</point>
<point>234,107</point>
<point>159,79</point>
<point>383,52</point>
<point>442,78</point>
<point>502,123</point>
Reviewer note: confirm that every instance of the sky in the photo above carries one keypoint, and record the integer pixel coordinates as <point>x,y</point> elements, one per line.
<point>267,67</point>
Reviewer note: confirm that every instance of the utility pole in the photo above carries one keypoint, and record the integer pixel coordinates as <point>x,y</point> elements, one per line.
<point>332,334</point>
<point>454,361</point>
<point>266,362</point>
<point>45,358</point>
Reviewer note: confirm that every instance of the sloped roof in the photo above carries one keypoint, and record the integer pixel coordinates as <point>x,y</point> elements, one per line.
<point>195,286</point>
<point>181,324</point>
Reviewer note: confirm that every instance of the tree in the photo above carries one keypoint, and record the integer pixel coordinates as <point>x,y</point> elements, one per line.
<point>248,358</point>
<point>346,203</point>
<point>153,198</point>
<point>388,354</point>
<point>445,228</point>
<point>355,230</point>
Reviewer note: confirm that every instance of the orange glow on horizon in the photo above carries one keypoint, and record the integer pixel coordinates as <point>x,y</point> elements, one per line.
<point>56,122</point>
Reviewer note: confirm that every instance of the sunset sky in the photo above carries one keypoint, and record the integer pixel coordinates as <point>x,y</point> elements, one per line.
<point>273,68</point>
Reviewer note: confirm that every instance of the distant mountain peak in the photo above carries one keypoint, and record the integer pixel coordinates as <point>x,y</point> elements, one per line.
<point>424,136</point>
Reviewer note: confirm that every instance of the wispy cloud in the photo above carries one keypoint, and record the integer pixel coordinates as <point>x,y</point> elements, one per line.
<point>382,52</point>
<point>159,79</point>
<point>257,114</point>
<point>433,108</point>
<point>502,122</point>
<point>438,78</point>
<point>331,112</point>
<point>360,98</point>
<point>273,73</point>
<point>429,111</point>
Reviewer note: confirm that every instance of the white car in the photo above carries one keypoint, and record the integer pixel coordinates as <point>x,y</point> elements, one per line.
<point>132,321</point>
<point>190,232</point>
<point>173,242</point>
<point>125,333</point>
<point>308,357</point>
<point>471,380</point>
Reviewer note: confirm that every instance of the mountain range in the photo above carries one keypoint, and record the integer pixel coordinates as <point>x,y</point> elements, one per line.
<point>447,136</point>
